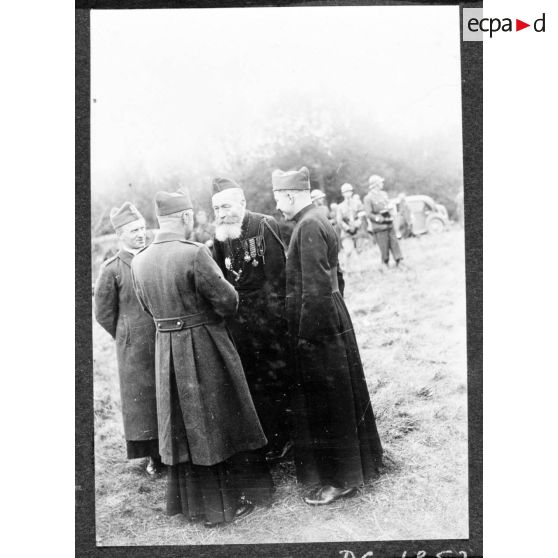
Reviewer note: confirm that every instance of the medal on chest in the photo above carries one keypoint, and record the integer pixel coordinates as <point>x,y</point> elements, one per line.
<point>236,274</point>
<point>242,253</point>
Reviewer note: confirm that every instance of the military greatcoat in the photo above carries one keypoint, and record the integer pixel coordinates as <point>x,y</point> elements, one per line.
<point>118,311</point>
<point>212,416</point>
<point>336,439</point>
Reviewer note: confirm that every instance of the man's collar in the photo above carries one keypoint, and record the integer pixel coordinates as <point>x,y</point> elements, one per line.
<point>125,256</point>
<point>167,236</point>
<point>302,212</point>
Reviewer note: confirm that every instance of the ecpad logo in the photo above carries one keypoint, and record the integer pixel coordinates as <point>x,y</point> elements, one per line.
<point>475,25</point>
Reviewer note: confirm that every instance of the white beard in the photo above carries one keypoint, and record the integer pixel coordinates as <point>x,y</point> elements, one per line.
<point>228,230</point>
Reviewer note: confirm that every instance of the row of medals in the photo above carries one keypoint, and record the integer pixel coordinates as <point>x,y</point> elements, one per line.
<point>250,255</point>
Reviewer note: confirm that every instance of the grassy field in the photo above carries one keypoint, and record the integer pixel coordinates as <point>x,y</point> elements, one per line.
<point>410,325</point>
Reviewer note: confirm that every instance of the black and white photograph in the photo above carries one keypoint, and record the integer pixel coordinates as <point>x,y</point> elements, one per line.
<point>278,280</point>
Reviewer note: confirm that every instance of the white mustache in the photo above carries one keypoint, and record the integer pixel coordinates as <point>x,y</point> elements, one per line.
<point>228,230</point>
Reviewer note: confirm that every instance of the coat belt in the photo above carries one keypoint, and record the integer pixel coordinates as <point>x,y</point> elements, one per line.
<point>187,322</point>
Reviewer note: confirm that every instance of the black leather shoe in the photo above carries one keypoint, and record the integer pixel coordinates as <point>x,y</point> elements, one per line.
<point>245,507</point>
<point>280,455</point>
<point>328,494</point>
<point>152,467</point>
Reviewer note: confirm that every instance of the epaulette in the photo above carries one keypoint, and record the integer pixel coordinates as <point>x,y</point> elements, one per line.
<point>110,260</point>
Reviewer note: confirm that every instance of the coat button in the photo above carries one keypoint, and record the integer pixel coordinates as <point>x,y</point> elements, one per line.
<point>178,323</point>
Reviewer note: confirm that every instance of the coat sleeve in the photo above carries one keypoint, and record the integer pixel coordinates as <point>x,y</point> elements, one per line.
<point>219,255</point>
<point>212,285</point>
<point>318,315</point>
<point>106,300</point>
<point>274,267</point>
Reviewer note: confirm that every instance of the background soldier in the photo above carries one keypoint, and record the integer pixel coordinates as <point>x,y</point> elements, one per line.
<point>118,311</point>
<point>206,414</point>
<point>377,210</point>
<point>251,255</point>
<point>405,217</point>
<point>319,200</point>
<point>336,442</point>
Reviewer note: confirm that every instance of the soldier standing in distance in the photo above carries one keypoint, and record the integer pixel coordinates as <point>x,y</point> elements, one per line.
<point>118,311</point>
<point>251,255</point>
<point>336,441</point>
<point>319,200</point>
<point>205,411</point>
<point>377,210</point>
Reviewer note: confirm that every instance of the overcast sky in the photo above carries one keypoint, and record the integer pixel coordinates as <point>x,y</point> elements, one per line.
<point>168,85</point>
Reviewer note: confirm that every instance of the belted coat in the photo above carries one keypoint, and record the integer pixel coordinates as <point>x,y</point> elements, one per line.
<point>180,285</point>
<point>118,311</point>
<point>336,439</point>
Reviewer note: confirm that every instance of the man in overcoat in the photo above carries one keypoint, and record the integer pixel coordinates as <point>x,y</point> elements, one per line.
<point>337,444</point>
<point>118,311</point>
<point>205,412</point>
<point>251,255</point>
<point>377,211</point>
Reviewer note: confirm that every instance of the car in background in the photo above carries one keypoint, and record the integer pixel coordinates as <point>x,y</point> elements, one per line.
<point>427,216</point>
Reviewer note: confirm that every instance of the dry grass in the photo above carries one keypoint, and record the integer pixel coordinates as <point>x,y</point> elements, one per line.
<point>411,330</point>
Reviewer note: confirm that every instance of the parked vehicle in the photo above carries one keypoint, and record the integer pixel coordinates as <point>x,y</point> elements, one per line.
<point>427,216</point>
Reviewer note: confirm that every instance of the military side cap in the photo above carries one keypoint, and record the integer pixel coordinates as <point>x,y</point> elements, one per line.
<point>220,184</point>
<point>167,203</point>
<point>127,213</point>
<point>291,180</point>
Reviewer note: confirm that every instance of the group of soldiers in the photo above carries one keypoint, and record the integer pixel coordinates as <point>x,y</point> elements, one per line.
<point>236,352</point>
<point>355,219</point>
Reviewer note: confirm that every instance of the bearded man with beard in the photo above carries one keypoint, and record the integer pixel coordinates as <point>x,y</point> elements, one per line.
<point>249,250</point>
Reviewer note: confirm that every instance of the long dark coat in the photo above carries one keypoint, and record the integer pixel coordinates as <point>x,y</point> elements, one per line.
<point>118,311</point>
<point>214,417</point>
<point>259,328</point>
<point>336,439</point>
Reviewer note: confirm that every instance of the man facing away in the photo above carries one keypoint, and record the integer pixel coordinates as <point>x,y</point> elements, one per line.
<point>336,442</point>
<point>118,311</point>
<point>205,412</point>
<point>251,255</point>
<point>377,210</point>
